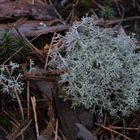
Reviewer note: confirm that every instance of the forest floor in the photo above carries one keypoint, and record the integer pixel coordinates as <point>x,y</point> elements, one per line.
<point>27,29</point>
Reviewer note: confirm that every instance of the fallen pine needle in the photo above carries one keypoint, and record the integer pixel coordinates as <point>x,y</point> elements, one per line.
<point>33,100</point>
<point>113,131</point>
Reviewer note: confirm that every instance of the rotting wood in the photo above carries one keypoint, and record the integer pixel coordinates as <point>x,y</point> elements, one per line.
<point>25,9</point>
<point>33,28</point>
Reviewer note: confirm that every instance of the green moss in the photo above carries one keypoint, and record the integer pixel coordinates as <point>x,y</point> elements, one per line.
<point>9,45</point>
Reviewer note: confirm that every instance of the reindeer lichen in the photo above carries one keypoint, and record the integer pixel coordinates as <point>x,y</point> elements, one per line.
<point>102,70</point>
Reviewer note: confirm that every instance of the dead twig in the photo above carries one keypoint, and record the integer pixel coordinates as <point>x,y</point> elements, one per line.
<point>38,78</point>
<point>33,100</point>
<point>111,22</point>
<point>56,130</point>
<point>38,72</point>
<point>46,63</point>
<point>113,131</point>
<point>62,134</point>
<point>124,128</point>
<point>19,102</point>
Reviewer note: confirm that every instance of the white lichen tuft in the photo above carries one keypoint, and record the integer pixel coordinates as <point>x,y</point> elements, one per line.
<point>102,70</point>
<point>9,80</point>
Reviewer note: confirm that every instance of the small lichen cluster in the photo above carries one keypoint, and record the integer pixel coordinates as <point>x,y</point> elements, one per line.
<point>9,80</point>
<point>102,70</point>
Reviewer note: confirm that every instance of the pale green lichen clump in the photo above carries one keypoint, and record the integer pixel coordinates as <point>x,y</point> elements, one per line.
<point>102,70</point>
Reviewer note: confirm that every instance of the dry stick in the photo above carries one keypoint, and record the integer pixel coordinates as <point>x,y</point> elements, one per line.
<point>110,22</point>
<point>68,17</point>
<point>19,102</point>
<point>14,124</point>
<point>56,130</point>
<point>28,99</point>
<point>46,63</point>
<point>33,100</point>
<point>36,37</point>
<point>107,128</point>
<point>53,28</point>
<point>99,131</point>
<point>124,128</point>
